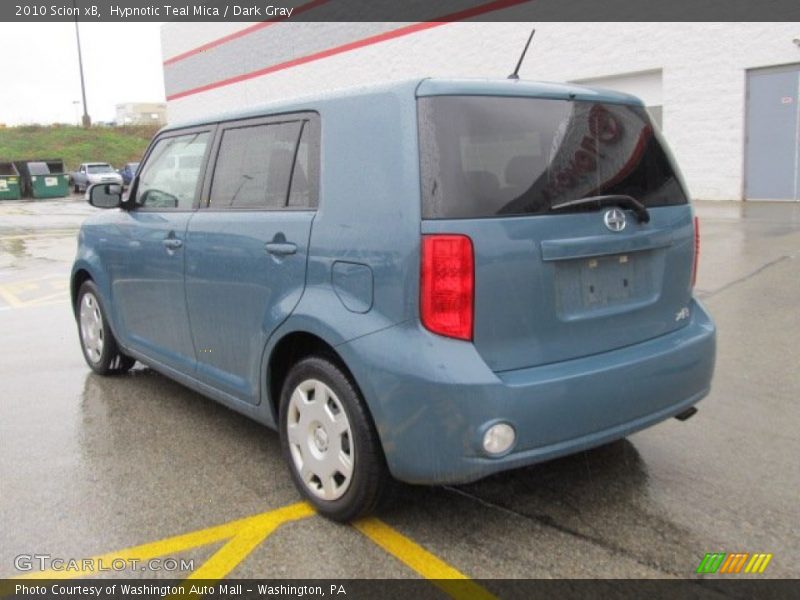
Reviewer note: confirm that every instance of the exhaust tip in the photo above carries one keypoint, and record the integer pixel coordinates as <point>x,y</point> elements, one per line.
<point>687,414</point>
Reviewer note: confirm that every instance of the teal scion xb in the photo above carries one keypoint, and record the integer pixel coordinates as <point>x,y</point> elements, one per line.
<point>431,280</point>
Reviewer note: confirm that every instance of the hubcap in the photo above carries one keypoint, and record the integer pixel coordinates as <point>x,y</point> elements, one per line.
<point>320,440</point>
<point>92,333</point>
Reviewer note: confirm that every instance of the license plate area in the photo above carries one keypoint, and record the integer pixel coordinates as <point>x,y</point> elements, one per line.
<point>588,285</point>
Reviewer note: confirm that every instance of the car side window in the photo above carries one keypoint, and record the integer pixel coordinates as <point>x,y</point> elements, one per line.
<point>301,193</point>
<point>254,166</point>
<point>170,177</point>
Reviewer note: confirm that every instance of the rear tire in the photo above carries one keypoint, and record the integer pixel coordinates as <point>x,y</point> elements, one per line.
<point>98,344</point>
<point>329,441</point>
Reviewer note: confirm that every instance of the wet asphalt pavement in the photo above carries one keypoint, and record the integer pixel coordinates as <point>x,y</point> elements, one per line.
<point>91,465</point>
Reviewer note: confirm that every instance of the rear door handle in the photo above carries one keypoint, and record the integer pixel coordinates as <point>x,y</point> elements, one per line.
<point>281,248</point>
<point>172,243</point>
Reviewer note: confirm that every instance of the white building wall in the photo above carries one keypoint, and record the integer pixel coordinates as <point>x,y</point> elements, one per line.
<point>646,85</point>
<point>703,73</point>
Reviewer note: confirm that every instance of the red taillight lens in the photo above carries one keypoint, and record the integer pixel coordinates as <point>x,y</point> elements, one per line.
<point>447,285</point>
<point>696,250</point>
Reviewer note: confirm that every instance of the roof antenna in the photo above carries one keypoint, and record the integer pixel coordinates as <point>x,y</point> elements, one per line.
<point>514,75</point>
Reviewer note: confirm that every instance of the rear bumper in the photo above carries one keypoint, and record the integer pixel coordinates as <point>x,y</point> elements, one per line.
<point>432,398</point>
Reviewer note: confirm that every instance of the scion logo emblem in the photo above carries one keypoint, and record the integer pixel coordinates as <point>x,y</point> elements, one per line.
<point>615,219</point>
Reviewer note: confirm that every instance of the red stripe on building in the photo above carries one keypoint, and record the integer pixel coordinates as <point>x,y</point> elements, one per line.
<point>241,33</point>
<point>368,41</point>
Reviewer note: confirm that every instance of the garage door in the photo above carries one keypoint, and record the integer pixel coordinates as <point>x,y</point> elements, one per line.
<point>772,157</point>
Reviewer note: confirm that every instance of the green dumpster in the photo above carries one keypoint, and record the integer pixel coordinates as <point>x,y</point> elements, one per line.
<point>53,182</point>
<point>44,178</point>
<point>9,182</point>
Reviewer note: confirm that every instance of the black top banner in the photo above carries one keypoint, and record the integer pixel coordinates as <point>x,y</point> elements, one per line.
<point>394,10</point>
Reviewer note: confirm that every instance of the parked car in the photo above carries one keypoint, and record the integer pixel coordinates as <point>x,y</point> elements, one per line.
<point>128,171</point>
<point>89,174</point>
<point>433,280</point>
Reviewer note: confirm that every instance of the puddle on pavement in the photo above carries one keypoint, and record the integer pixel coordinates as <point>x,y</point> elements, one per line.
<point>18,251</point>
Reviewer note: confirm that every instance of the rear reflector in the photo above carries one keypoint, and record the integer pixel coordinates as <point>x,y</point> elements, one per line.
<point>696,250</point>
<point>447,285</point>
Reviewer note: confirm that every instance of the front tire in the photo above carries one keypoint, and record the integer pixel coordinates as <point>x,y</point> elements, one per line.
<point>99,346</point>
<point>329,441</point>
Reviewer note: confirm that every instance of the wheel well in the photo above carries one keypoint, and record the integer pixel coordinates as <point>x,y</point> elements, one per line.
<point>77,281</point>
<point>288,352</point>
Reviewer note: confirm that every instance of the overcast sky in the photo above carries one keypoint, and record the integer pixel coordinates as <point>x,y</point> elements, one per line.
<point>39,77</point>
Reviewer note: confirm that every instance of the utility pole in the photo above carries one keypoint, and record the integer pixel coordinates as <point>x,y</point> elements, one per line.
<point>87,120</point>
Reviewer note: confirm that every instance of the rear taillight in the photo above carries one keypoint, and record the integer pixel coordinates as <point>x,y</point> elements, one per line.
<point>447,285</point>
<point>696,250</point>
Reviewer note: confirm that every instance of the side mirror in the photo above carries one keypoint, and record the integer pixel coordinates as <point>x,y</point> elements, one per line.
<point>105,195</point>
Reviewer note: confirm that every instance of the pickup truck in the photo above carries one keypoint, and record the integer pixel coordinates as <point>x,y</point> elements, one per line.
<point>91,173</point>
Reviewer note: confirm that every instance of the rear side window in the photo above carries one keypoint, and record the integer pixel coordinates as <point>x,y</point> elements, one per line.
<point>263,166</point>
<point>487,156</point>
<point>300,190</point>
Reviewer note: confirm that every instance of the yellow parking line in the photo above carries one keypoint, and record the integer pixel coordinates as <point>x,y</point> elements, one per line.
<point>38,234</point>
<point>16,294</point>
<point>59,276</point>
<point>448,579</point>
<point>242,536</point>
<point>35,304</point>
<point>9,293</point>
<point>61,295</point>
<point>249,537</point>
<point>10,298</point>
<point>187,541</point>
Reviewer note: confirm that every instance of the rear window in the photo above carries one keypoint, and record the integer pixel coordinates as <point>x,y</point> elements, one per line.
<point>487,156</point>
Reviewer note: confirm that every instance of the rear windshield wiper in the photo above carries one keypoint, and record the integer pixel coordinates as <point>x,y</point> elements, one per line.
<point>611,200</point>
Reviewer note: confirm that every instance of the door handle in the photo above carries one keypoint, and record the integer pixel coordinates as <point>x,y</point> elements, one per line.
<point>172,243</point>
<point>281,248</point>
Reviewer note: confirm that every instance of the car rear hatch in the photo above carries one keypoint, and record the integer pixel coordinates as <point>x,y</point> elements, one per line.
<point>545,189</point>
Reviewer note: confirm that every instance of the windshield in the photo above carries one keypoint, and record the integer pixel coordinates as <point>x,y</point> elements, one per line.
<point>99,169</point>
<point>489,156</point>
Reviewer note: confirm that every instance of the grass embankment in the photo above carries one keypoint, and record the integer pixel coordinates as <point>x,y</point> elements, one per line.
<point>75,145</point>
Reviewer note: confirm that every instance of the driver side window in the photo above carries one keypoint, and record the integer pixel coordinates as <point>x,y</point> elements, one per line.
<point>170,178</point>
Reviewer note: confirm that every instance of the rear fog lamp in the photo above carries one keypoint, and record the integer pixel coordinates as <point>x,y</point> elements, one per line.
<point>498,439</point>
